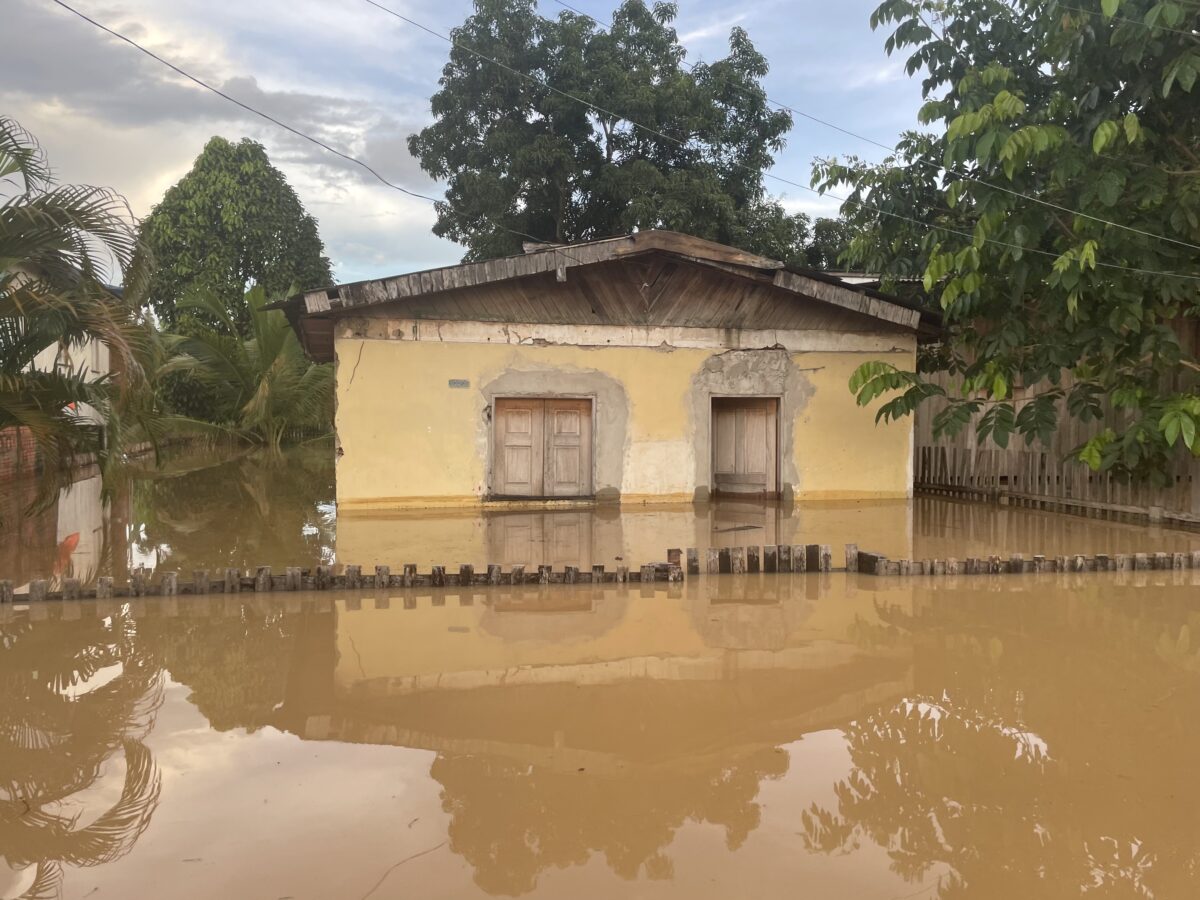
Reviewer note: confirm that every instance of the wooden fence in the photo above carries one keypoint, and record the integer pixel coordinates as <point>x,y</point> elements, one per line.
<point>1045,475</point>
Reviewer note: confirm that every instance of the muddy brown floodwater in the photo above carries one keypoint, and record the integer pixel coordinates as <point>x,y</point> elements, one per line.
<point>774,736</point>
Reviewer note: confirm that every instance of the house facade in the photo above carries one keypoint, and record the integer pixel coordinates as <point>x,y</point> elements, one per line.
<point>655,367</point>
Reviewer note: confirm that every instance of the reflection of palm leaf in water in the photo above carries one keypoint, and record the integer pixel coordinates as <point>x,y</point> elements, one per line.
<point>61,725</point>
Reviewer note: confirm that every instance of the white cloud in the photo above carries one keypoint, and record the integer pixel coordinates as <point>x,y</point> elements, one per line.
<point>714,28</point>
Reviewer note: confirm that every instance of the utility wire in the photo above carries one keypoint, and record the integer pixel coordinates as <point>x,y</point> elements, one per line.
<point>869,140</point>
<point>780,178</point>
<point>289,128</point>
<point>558,247</point>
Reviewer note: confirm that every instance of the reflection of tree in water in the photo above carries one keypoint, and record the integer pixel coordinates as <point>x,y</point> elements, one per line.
<point>236,665</point>
<point>513,821</point>
<point>260,509</point>
<point>74,698</point>
<point>1042,755</point>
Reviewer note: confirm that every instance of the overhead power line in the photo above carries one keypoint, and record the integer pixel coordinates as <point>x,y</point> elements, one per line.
<point>286,127</point>
<point>869,140</point>
<point>319,143</point>
<point>780,178</point>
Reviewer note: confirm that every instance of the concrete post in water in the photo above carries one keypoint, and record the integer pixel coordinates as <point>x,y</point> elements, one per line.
<point>737,560</point>
<point>852,557</point>
<point>1141,561</point>
<point>941,567</point>
<point>544,574</point>
<point>799,558</point>
<point>770,558</point>
<point>104,587</point>
<point>354,577</point>
<point>6,591</point>
<point>753,560</point>
<point>952,565</point>
<point>1060,564</point>
<point>292,578</point>
<point>438,576</point>
<point>1177,560</point>
<point>1162,561</point>
<point>571,575</point>
<point>1078,564</point>
<point>714,561</point>
<point>647,574</point>
<point>1039,564</point>
<point>324,577</point>
<point>517,575</point>
<point>262,579</point>
<point>408,575</point>
<point>693,561</point>
<point>825,553</point>
<point>1121,562</point>
<point>137,582</point>
<point>466,575</point>
<point>494,570</point>
<point>783,557</point>
<point>383,576</point>
<point>623,574</point>
<point>1195,559</point>
<point>1102,562</point>
<point>70,590</point>
<point>233,581</point>
<point>170,584</point>
<point>200,581</point>
<point>904,567</point>
<point>674,574</point>
<point>38,588</point>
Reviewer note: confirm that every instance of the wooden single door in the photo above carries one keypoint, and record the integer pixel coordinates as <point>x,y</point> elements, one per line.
<point>543,448</point>
<point>745,445</point>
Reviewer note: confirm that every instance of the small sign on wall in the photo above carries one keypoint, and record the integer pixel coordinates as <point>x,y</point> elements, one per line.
<point>459,383</point>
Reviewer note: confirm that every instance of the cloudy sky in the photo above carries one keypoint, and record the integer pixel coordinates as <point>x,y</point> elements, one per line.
<point>361,80</point>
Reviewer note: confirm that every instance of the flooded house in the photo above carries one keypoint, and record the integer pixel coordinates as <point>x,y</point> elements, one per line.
<point>653,367</point>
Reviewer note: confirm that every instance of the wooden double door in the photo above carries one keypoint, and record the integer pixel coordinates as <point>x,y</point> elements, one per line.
<point>543,447</point>
<point>745,445</point>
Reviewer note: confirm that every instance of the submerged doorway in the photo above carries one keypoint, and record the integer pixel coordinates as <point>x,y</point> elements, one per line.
<point>745,445</point>
<point>543,448</point>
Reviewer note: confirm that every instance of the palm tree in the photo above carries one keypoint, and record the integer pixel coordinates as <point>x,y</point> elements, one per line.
<point>59,244</point>
<point>74,697</point>
<point>265,387</point>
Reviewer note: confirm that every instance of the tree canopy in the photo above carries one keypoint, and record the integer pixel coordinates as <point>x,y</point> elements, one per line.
<point>1053,125</point>
<point>522,156</point>
<point>231,222</point>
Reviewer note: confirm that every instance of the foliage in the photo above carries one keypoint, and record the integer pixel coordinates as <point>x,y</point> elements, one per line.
<point>520,157</point>
<point>230,222</point>
<point>1050,118</point>
<point>55,241</point>
<point>64,720</point>
<point>263,386</point>
<point>830,243</point>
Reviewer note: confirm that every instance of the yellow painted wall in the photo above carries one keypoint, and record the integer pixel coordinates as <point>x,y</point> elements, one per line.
<point>407,439</point>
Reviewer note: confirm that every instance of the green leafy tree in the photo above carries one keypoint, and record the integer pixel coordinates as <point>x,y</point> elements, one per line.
<point>232,222</point>
<point>1051,122</point>
<point>829,243</point>
<point>519,158</point>
<point>59,245</point>
<point>262,386</point>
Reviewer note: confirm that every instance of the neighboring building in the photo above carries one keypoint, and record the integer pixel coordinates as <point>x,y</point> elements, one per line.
<point>653,367</point>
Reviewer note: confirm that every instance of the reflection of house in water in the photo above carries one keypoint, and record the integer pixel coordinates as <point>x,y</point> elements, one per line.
<point>604,535</point>
<point>570,721</point>
<point>66,538</point>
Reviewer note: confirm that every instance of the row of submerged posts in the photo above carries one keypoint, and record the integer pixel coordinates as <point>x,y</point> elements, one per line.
<point>751,560</point>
